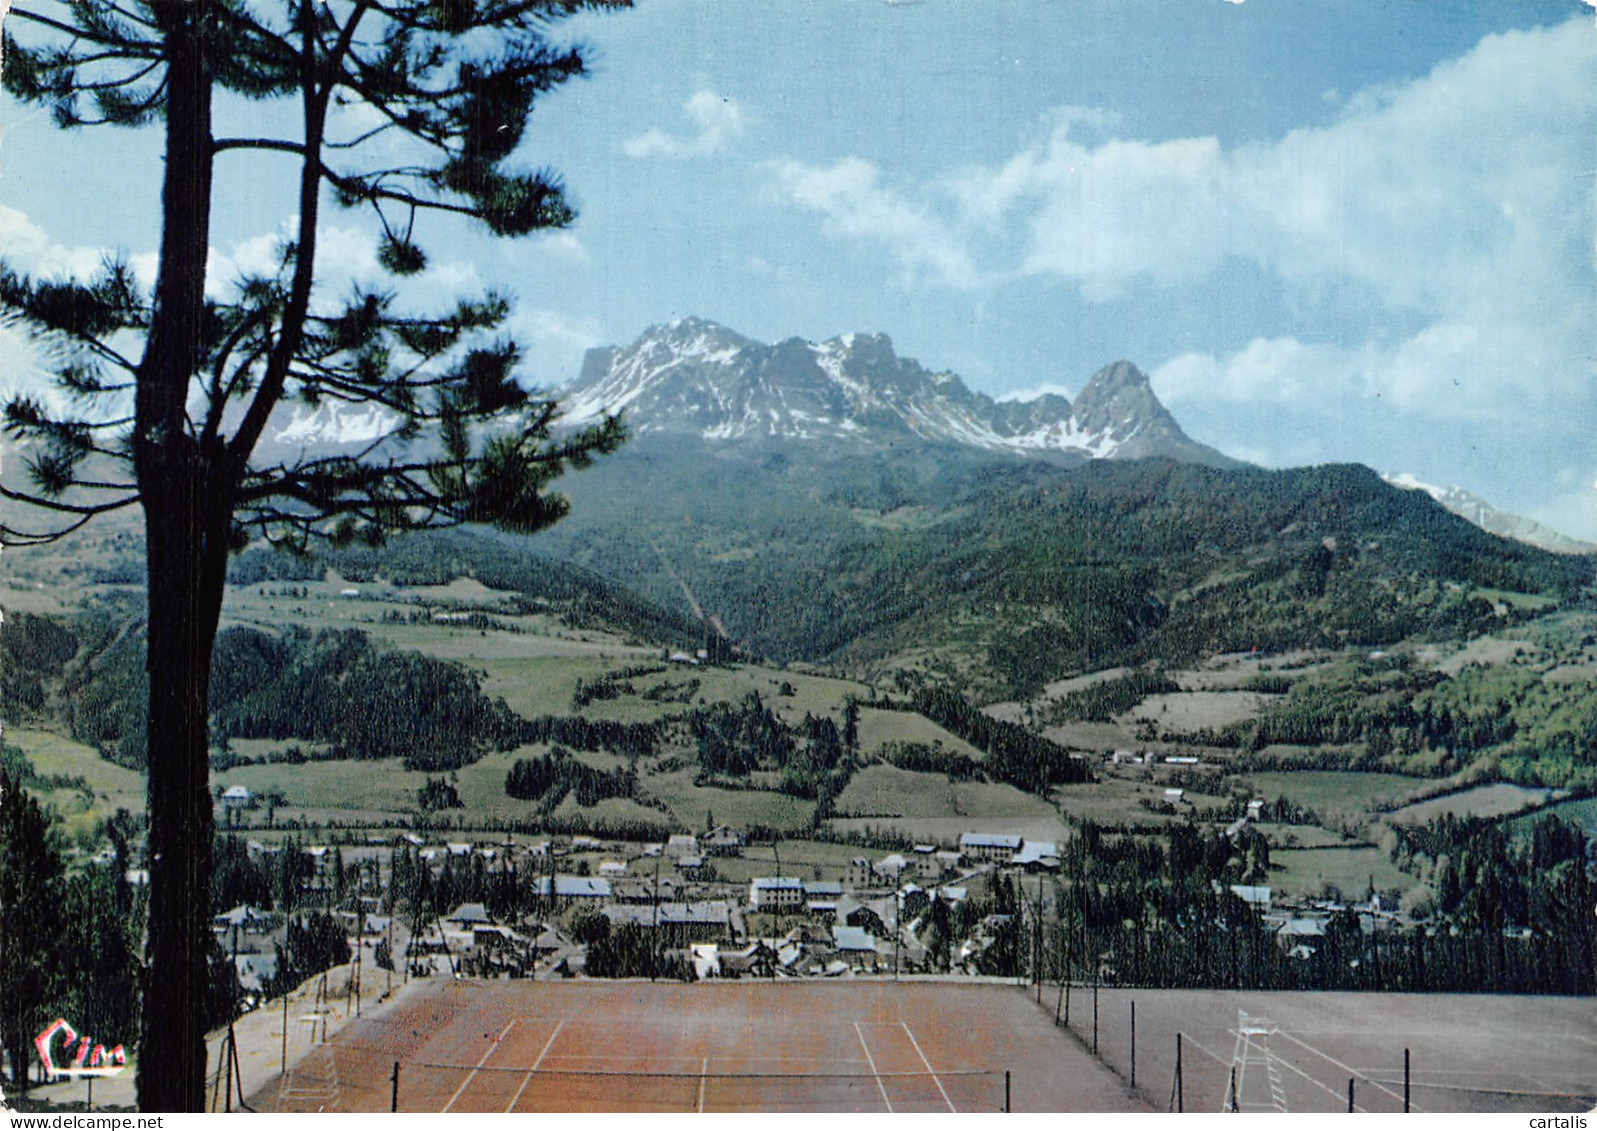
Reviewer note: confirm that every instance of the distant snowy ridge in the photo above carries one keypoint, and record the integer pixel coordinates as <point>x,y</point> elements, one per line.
<point>1489,518</point>
<point>336,424</point>
<point>698,377</point>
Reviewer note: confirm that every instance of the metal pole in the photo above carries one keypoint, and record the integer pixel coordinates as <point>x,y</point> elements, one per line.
<point>1006,1090</point>
<point>1234,1105</point>
<point>1095,1013</point>
<point>1067,1005</point>
<point>1350,1094</point>
<point>1405,1081</point>
<point>238,1069</point>
<point>1133,1044</point>
<point>1037,950</point>
<point>227,1069</point>
<point>393,1100</point>
<point>1180,1084</point>
<point>898,936</point>
<point>88,1104</point>
<point>1059,1003</point>
<point>284,1070</point>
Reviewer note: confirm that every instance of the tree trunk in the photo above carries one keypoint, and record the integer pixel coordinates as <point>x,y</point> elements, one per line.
<point>186,532</point>
<point>187,496</point>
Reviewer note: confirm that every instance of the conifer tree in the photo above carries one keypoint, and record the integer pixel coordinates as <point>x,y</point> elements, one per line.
<point>30,924</point>
<point>170,390</point>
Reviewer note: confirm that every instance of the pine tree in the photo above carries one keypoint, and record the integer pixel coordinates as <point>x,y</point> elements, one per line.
<point>30,923</point>
<point>173,389</point>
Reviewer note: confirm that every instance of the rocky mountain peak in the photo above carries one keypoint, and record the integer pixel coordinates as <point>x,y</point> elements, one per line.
<point>699,377</point>
<point>1119,399</point>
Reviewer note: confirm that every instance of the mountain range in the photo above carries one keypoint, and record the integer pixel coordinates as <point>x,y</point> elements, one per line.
<point>833,502</point>
<point>1477,510</point>
<point>695,377</point>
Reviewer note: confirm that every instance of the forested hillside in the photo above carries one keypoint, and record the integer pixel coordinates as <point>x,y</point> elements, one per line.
<point>584,598</point>
<point>1014,572</point>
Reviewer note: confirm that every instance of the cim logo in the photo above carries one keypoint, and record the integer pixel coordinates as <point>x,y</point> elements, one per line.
<point>91,1059</point>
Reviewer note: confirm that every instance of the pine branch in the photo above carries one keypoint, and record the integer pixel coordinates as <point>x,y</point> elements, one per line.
<point>83,33</point>
<point>44,502</point>
<point>314,103</point>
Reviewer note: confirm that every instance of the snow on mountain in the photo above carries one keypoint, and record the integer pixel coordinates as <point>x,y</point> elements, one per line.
<point>695,376</point>
<point>335,423</point>
<point>1477,510</point>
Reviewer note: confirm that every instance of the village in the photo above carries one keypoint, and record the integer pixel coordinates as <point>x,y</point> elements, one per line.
<point>580,906</point>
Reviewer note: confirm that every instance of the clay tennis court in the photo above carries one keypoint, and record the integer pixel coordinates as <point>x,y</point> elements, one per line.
<point>847,1046</point>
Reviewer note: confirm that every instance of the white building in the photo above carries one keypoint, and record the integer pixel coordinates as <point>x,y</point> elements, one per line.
<point>859,873</point>
<point>997,848</point>
<point>776,893</point>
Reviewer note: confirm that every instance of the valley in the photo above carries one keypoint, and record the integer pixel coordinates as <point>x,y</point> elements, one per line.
<point>885,698</point>
<point>1195,745</point>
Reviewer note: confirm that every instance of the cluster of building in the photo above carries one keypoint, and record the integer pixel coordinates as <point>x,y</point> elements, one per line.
<point>861,921</point>
<point>769,925</point>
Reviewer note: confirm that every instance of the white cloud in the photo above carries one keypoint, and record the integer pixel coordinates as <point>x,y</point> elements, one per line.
<point>1046,389</point>
<point>1457,207</point>
<point>1266,370</point>
<point>29,250</point>
<point>552,344</point>
<point>717,121</point>
<point>850,201</point>
<point>1573,509</point>
<point>564,245</point>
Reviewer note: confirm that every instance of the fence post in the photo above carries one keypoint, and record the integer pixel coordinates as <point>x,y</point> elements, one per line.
<point>1405,1081</point>
<point>1095,1015</point>
<point>284,1070</point>
<point>1234,1105</point>
<point>1006,1090</point>
<point>1133,1043</point>
<point>1058,1004</point>
<point>1350,1094</point>
<point>1067,1005</point>
<point>1180,1084</point>
<point>238,1069</point>
<point>393,1099</point>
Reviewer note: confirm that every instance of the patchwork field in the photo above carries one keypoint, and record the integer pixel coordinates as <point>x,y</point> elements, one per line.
<point>1335,790</point>
<point>1349,870</point>
<point>888,791</point>
<point>110,787</point>
<point>1497,800</point>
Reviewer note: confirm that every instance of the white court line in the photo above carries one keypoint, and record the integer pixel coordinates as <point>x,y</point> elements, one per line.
<point>1350,1071</point>
<point>1214,1056</point>
<point>1316,1081</point>
<point>871,1060</point>
<point>1285,1063</point>
<point>472,1074</point>
<point>704,1070</point>
<point>549,1044</point>
<point>928,1065</point>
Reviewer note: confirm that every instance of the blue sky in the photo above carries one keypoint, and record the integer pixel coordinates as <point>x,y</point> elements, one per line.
<point>1330,231</point>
